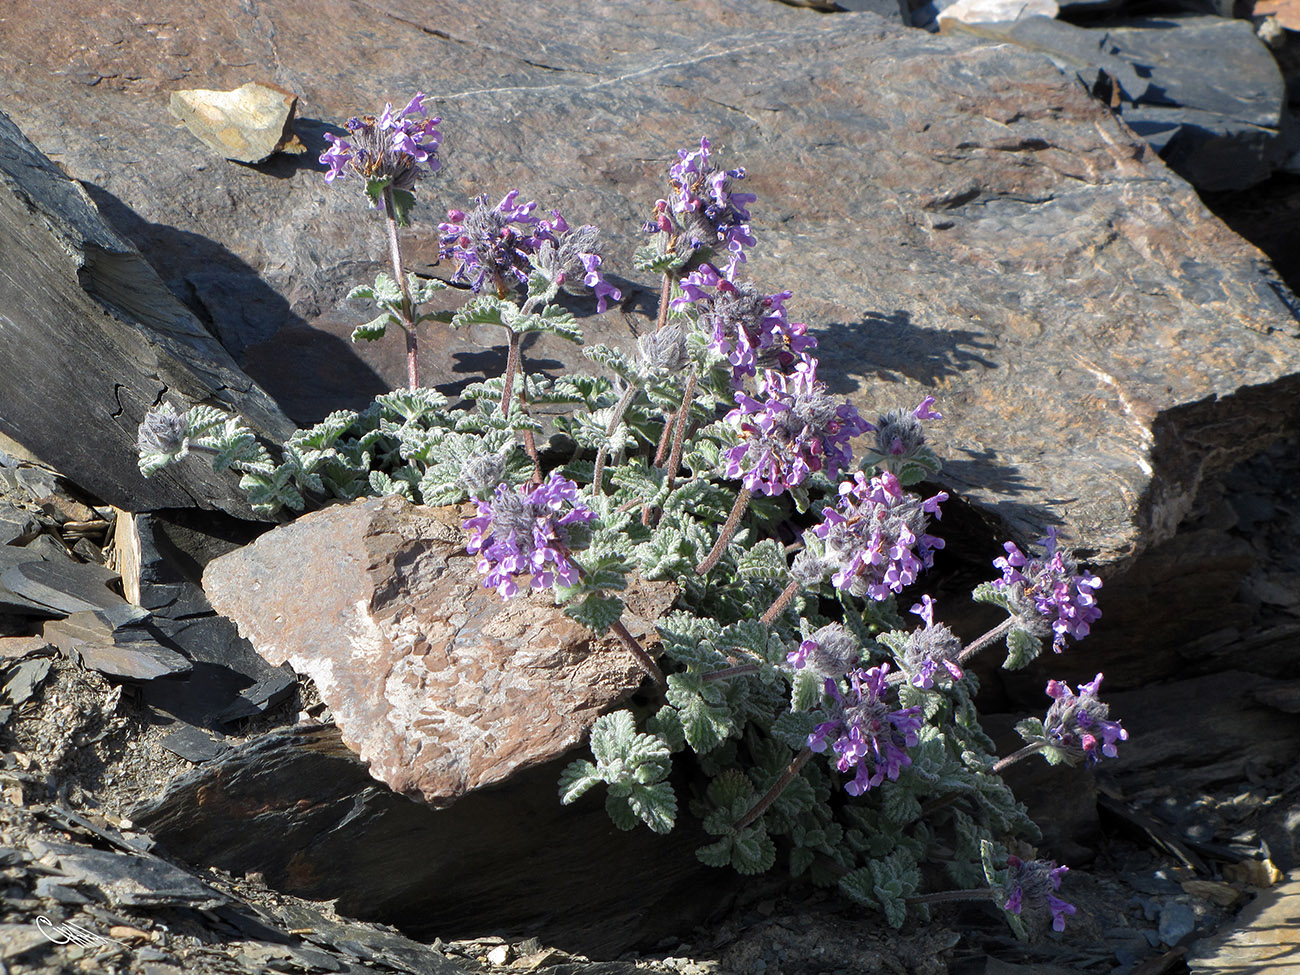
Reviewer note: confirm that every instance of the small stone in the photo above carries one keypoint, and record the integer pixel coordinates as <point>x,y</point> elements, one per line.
<point>499,955</point>
<point>1177,921</point>
<point>1214,891</point>
<point>993,11</point>
<point>1253,873</point>
<point>133,661</point>
<point>249,124</point>
<point>193,744</point>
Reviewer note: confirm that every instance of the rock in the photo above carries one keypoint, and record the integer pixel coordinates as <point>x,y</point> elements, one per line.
<point>439,684</point>
<point>1287,12</point>
<point>1264,935</point>
<point>136,661</point>
<point>1205,92</point>
<point>249,124</point>
<point>193,744</point>
<point>124,344</point>
<point>297,806</point>
<point>1097,341</point>
<point>19,681</point>
<point>69,587</point>
<point>269,692</point>
<point>128,879</point>
<point>982,11</point>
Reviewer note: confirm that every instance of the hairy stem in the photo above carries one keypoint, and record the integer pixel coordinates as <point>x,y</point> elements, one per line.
<point>679,428</point>
<point>665,293</point>
<point>978,644</point>
<point>1003,764</point>
<point>736,671</point>
<point>620,408</point>
<point>944,896</point>
<point>778,787</point>
<point>728,530</point>
<point>780,603</point>
<point>512,367</point>
<point>408,309</point>
<point>642,656</point>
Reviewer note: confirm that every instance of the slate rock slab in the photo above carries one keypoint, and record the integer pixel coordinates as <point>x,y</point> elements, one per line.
<point>442,686</point>
<point>954,216</point>
<point>91,339</point>
<point>299,807</point>
<point>66,587</point>
<point>1205,92</point>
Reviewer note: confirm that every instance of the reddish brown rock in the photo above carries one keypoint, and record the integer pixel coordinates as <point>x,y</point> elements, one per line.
<point>438,683</point>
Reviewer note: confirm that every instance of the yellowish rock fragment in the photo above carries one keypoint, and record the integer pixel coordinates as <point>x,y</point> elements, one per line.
<point>247,125</point>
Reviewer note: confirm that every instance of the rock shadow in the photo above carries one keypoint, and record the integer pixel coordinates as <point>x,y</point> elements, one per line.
<point>243,312</point>
<point>891,347</point>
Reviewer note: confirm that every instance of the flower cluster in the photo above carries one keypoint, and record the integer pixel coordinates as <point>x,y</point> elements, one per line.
<point>749,328</point>
<point>876,542</point>
<point>164,434</point>
<point>796,430</point>
<point>1050,588</point>
<point>930,649</point>
<point>1080,725</point>
<point>395,149</point>
<point>497,246</point>
<point>868,737</point>
<point>522,532</point>
<point>1033,885</point>
<point>831,652</point>
<point>703,207</point>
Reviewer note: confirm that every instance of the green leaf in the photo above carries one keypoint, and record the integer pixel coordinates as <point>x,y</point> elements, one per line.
<point>793,728</point>
<point>597,613</point>
<point>807,689</point>
<point>403,200</point>
<point>716,854</point>
<point>1022,648</point>
<point>485,310</point>
<point>620,812</point>
<point>764,562</point>
<point>373,329</point>
<point>655,805</point>
<point>577,777</point>
<point>649,259</point>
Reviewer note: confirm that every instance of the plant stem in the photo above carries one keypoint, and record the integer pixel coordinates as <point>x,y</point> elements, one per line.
<point>620,408</point>
<point>945,896</point>
<point>679,428</point>
<point>778,787</point>
<point>781,602</point>
<point>980,643</point>
<point>515,368</point>
<point>642,657</point>
<point>408,309</point>
<point>1003,764</point>
<point>736,671</point>
<point>729,529</point>
<point>665,293</point>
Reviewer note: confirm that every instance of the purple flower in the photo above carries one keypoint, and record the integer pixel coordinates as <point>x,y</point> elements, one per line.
<point>1051,589</point>
<point>1033,885</point>
<point>397,148</point>
<point>899,432</point>
<point>877,540</point>
<point>491,244</point>
<point>702,206</point>
<point>749,328</point>
<point>526,532</point>
<point>1079,725</point>
<point>796,430</point>
<point>868,738</point>
<point>570,257</point>
<point>931,648</point>
<point>831,651</point>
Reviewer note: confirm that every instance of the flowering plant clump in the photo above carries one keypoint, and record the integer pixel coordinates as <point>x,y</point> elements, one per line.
<point>712,456</point>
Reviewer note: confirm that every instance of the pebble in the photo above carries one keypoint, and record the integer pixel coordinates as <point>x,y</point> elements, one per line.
<point>1177,921</point>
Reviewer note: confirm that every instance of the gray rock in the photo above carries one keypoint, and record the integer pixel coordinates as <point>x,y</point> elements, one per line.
<point>193,744</point>
<point>1205,92</point>
<point>135,661</point>
<point>125,343</point>
<point>1177,921</point>
<point>69,587</point>
<point>951,213</point>
<point>128,880</point>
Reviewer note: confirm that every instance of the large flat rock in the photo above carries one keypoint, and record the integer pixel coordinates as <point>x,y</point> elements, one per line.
<point>954,215</point>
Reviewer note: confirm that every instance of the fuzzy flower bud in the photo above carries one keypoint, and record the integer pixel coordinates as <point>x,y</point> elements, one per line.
<point>1050,588</point>
<point>1032,887</point>
<point>163,436</point>
<point>482,474</point>
<point>570,257</point>
<point>1079,725</point>
<point>831,651</point>
<point>663,352</point>
<point>932,649</point>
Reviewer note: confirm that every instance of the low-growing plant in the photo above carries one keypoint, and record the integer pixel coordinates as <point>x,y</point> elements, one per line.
<point>712,456</point>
